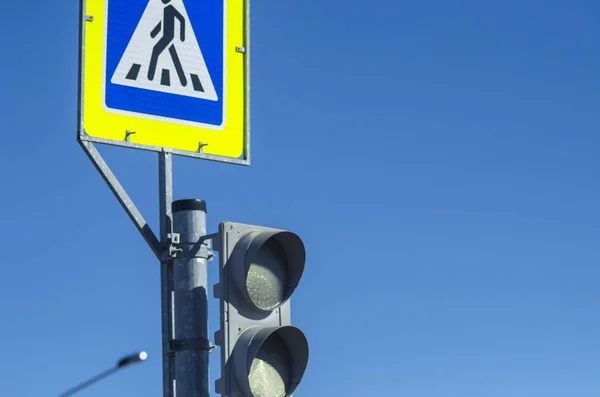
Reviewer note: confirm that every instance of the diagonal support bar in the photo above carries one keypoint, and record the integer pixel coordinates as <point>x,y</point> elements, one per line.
<point>121,195</point>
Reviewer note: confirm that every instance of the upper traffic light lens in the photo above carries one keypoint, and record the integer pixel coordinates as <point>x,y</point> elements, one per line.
<point>273,266</point>
<point>267,277</point>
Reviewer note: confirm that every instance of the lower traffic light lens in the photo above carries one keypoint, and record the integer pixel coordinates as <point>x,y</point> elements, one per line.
<point>270,362</point>
<point>267,277</point>
<point>270,371</point>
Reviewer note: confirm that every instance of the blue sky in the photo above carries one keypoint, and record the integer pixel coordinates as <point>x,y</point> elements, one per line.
<point>439,159</point>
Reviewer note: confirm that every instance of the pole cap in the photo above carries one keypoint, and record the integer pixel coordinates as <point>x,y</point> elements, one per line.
<point>188,205</point>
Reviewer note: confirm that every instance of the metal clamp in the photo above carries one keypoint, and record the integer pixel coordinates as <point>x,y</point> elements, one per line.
<point>172,250</point>
<point>177,345</point>
<point>205,252</point>
<point>198,246</point>
<point>194,251</point>
<point>174,238</point>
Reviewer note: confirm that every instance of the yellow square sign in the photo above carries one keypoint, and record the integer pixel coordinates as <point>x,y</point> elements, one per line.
<point>166,75</point>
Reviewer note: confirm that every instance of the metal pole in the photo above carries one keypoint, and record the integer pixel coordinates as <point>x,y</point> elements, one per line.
<point>165,187</point>
<point>190,282</point>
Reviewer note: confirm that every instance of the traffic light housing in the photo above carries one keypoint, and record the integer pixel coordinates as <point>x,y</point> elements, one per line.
<point>262,354</point>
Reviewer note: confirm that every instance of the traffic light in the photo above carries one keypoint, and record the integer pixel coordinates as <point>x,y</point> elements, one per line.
<point>262,354</point>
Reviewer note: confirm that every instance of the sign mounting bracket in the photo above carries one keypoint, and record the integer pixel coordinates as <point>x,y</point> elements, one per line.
<point>122,196</point>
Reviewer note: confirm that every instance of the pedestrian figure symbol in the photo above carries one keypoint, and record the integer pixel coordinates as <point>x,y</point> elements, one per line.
<point>164,42</point>
<point>169,16</point>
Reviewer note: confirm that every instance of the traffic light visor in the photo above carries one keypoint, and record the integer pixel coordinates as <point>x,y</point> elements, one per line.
<point>275,361</point>
<point>273,266</point>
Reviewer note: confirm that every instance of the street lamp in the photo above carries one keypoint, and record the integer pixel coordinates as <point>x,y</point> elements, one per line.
<point>122,363</point>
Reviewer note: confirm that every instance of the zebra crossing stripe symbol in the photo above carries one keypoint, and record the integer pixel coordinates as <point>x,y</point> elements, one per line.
<point>163,54</point>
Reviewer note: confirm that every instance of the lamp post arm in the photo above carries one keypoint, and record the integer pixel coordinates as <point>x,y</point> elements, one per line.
<point>90,381</point>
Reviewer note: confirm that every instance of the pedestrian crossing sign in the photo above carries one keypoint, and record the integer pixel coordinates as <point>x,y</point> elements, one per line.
<point>166,75</point>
